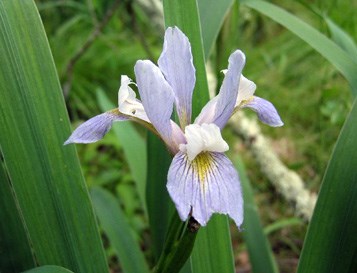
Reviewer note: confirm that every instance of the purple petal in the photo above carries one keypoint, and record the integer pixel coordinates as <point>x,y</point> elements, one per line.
<point>208,184</point>
<point>265,110</point>
<point>220,108</point>
<point>95,128</point>
<point>176,64</point>
<point>158,98</point>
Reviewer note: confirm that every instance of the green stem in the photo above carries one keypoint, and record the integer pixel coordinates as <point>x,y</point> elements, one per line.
<point>178,246</point>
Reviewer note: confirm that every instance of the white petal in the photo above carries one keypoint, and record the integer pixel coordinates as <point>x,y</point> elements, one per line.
<point>203,138</point>
<point>246,90</point>
<point>128,104</point>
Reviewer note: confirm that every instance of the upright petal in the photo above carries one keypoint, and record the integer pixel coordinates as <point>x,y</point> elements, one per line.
<point>95,128</point>
<point>206,185</point>
<point>158,98</point>
<point>219,109</point>
<point>176,64</point>
<point>265,110</point>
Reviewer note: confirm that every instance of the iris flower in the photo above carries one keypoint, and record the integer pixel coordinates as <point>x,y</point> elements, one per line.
<point>201,179</point>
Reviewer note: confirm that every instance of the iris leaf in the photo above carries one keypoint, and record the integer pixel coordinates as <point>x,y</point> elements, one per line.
<point>15,251</point>
<point>118,230</point>
<point>260,254</point>
<point>322,44</point>
<point>342,39</point>
<point>134,147</point>
<point>45,175</point>
<point>212,14</point>
<point>330,243</point>
<point>48,269</point>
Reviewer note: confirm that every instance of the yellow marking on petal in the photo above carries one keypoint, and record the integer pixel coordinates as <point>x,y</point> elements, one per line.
<point>242,103</point>
<point>202,164</point>
<point>183,118</point>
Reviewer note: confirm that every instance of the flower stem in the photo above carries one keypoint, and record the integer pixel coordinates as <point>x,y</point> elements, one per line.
<point>178,246</point>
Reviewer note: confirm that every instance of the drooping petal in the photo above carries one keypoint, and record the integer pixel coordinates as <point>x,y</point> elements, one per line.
<point>176,64</point>
<point>219,109</point>
<point>95,128</point>
<point>158,98</point>
<point>265,110</point>
<point>204,186</point>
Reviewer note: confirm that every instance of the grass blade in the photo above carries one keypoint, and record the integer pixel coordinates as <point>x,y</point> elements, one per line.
<point>342,39</point>
<point>49,269</point>
<point>326,47</point>
<point>212,14</point>
<point>15,251</point>
<point>330,243</point>
<point>160,207</point>
<point>134,147</point>
<point>45,175</point>
<point>118,230</point>
<point>259,249</point>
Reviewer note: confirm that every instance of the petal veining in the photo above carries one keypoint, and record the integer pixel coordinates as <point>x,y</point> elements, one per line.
<point>158,99</point>
<point>176,64</point>
<point>219,109</point>
<point>95,128</point>
<point>265,110</point>
<point>208,184</point>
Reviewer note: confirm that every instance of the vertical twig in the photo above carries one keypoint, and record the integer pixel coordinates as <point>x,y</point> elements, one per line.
<point>96,32</point>
<point>137,30</point>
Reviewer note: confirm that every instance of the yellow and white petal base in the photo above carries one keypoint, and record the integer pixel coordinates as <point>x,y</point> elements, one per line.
<point>206,185</point>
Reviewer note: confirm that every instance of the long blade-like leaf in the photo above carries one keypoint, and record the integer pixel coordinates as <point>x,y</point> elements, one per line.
<point>158,201</point>
<point>45,175</point>
<point>213,249</point>
<point>134,147</point>
<point>212,14</point>
<point>15,251</point>
<point>327,48</point>
<point>342,39</point>
<point>185,15</point>
<point>259,249</point>
<point>331,241</point>
<point>48,269</point>
<point>117,228</point>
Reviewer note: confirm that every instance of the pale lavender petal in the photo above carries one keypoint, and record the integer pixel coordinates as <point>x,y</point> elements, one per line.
<point>176,64</point>
<point>208,184</point>
<point>158,98</point>
<point>95,128</point>
<point>219,109</point>
<point>265,111</point>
